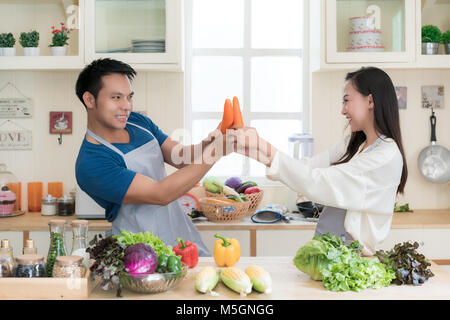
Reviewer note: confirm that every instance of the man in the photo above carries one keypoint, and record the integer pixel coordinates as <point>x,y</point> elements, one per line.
<point>121,160</point>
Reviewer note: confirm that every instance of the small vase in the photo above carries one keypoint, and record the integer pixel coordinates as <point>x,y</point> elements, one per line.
<point>447,48</point>
<point>430,48</point>
<point>7,52</point>
<point>58,51</point>
<point>31,51</point>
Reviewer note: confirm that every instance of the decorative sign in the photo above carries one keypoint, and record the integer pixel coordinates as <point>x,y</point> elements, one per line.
<point>433,97</point>
<point>401,97</point>
<point>61,122</point>
<point>16,108</point>
<point>15,139</point>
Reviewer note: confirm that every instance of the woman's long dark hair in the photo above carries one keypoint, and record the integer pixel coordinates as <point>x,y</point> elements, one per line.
<point>371,80</point>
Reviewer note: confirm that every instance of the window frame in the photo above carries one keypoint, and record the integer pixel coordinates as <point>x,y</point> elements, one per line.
<point>304,115</point>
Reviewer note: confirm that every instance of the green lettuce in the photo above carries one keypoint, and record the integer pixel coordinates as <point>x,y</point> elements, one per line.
<point>130,238</point>
<point>340,267</point>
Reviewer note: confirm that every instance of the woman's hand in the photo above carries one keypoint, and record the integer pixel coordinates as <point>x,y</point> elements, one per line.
<point>248,143</point>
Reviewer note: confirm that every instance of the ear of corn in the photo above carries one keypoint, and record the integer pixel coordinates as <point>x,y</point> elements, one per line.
<point>206,280</point>
<point>260,278</point>
<point>236,279</point>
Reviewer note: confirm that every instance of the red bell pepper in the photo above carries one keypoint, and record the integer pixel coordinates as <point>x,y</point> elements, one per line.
<point>188,252</point>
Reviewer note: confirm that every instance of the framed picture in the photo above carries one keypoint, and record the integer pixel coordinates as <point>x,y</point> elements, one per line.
<point>433,97</point>
<point>401,97</point>
<point>61,122</point>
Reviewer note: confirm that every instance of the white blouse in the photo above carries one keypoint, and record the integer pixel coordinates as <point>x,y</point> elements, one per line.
<point>366,186</point>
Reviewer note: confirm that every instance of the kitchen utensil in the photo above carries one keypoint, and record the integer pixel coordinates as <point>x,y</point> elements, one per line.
<point>309,209</point>
<point>189,203</point>
<point>434,160</point>
<point>154,282</point>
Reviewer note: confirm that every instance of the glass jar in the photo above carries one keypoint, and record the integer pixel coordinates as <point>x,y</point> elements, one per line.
<point>29,247</point>
<point>66,206</point>
<point>57,247</point>
<point>69,267</point>
<point>6,254</point>
<point>79,243</point>
<point>5,270</point>
<point>48,206</point>
<point>30,266</point>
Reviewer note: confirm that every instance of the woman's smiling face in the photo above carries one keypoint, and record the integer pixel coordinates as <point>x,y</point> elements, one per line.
<point>357,108</point>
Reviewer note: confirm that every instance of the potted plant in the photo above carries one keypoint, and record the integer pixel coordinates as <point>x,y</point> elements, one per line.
<point>445,40</point>
<point>30,43</point>
<point>58,47</point>
<point>7,42</point>
<point>431,36</point>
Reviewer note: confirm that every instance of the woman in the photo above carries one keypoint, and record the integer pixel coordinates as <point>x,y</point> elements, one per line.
<point>358,179</point>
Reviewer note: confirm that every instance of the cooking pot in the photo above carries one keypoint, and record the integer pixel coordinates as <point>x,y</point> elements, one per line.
<point>434,160</point>
<point>310,209</point>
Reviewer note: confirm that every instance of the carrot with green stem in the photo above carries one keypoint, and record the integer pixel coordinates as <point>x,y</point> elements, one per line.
<point>227,118</point>
<point>237,115</point>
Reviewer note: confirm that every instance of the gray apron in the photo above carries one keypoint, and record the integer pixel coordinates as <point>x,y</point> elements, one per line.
<point>332,219</point>
<point>166,222</point>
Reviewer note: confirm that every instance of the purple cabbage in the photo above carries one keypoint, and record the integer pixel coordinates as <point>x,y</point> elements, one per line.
<point>140,258</point>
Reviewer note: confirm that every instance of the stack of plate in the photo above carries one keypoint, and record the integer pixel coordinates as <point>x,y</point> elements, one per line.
<point>149,45</point>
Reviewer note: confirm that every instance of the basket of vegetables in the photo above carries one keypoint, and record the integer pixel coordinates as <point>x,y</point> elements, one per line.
<point>224,209</point>
<point>139,262</point>
<point>234,186</point>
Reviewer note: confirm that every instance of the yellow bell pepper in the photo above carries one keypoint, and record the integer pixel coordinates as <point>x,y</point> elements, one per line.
<point>226,251</point>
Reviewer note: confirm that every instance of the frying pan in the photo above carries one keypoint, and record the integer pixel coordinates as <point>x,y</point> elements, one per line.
<point>434,160</point>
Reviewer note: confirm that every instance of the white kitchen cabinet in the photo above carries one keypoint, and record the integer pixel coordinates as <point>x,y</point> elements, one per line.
<point>146,34</point>
<point>400,23</point>
<point>150,30</point>
<point>281,242</point>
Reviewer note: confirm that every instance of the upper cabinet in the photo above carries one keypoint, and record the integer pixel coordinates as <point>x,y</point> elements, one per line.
<point>146,34</point>
<point>384,33</point>
<point>143,33</point>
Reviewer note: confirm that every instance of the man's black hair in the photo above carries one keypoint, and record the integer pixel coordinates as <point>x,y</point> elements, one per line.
<point>90,79</point>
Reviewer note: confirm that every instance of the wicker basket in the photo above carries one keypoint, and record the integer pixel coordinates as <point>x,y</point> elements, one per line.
<point>254,199</point>
<point>224,213</point>
<point>210,194</point>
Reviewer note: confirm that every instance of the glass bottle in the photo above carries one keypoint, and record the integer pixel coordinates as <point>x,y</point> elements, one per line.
<point>79,244</point>
<point>29,247</point>
<point>30,266</point>
<point>6,255</point>
<point>57,247</point>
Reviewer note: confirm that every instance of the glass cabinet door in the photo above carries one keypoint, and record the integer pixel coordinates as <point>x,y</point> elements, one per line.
<point>370,31</point>
<point>137,31</point>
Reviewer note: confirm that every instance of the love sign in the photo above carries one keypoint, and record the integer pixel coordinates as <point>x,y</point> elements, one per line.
<point>15,139</point>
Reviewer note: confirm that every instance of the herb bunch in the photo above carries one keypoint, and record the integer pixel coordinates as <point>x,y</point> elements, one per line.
<point>108,254</point>
<point>409,266</point>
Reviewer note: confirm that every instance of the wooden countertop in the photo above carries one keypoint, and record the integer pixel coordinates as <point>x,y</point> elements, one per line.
<point>289,283</point>
<point>419,219</point>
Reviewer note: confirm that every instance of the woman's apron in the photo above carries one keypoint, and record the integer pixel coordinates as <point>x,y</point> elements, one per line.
<point>166,222</point>
<point>332,219</point>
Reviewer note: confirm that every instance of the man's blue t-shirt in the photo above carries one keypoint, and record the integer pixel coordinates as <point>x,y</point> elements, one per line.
<point>102,173</point>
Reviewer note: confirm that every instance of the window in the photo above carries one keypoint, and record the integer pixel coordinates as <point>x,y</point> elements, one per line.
<point>251,49</point>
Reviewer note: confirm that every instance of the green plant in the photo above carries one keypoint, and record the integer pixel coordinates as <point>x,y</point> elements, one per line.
<point>445,38</point>
<point>60,36</point>
<point>431,33</point>
<point>7,40</point>
<point>29,39</point>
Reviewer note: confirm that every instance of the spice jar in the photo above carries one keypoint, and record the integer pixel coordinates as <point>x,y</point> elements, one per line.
<point>57,247</point>
<point>69,267</point>
<point>6,254</point>
<point>29,247</point>
<point>66,206</point>
<point>79,243</point>
<point>30,266</point>
<point>48,206</point>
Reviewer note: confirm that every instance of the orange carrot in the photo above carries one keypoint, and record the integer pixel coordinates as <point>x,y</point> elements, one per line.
<point>237,115</point>
<point>227,119</point>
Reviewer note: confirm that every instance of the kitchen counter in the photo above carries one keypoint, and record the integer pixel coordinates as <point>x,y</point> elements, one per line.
<point>289,283</point>
<point>34,221</point>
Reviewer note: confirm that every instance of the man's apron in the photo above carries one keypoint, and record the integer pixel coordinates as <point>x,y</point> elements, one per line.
<point>166,222</point>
